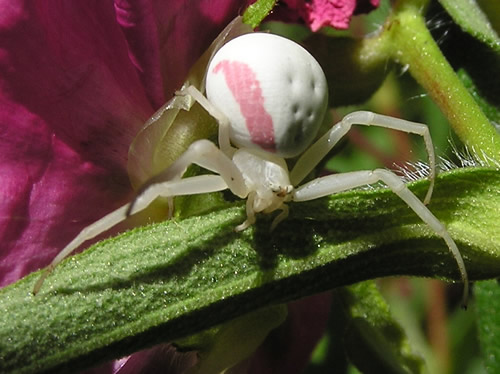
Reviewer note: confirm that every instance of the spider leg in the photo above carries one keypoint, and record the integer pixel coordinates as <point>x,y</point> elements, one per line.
<point>346,181</point>
<point>250,214</point>
<point>189,186</point>
<point>223,121</point>
<point>202,153</point>
<point>168,184</point>
<point>310,158</point>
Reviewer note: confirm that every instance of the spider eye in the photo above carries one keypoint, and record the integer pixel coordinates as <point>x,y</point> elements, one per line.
<point>273,92</point>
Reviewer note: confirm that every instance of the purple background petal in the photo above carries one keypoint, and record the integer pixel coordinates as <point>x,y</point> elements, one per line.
<point>167,37</point>
<point>70,104</point>
<point>76,85</point>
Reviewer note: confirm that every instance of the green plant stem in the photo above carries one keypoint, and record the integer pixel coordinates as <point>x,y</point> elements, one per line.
<point>412,45</point>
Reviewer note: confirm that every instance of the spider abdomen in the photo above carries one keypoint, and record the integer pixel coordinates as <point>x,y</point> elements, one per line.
<point>273,92</point>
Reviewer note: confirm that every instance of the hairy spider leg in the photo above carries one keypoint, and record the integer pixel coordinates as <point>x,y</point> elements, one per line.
<point>316,152</point>
<point>331,184</point>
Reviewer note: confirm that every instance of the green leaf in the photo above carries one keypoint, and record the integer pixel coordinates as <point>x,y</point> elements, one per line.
<point>472,20</point>
<point>170,280</point>
<point>374,341</point>
<point>256,12</point>
<point>488,313</point>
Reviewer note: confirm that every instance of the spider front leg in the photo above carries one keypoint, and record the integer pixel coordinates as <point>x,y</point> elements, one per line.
<point>309,159</point>
<point>167,184</point>
<point>331,184</point>
<point>202,153</point>
<point>222,120</point>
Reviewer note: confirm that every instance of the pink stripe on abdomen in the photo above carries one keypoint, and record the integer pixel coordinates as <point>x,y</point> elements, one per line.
<point>245,87</point>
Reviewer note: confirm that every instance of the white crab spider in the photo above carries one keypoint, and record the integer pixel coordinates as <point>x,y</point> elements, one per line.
<point>269,96</point>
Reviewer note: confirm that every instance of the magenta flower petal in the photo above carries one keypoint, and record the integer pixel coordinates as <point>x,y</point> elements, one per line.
<point>70,104</point>
<point>139,24</point>
<point>77,81</point>
<point>320,13</point>
<point>187,28</point>
<point>166,38</point>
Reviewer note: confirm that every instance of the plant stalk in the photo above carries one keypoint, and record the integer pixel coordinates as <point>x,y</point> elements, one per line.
<point>412,45</point>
